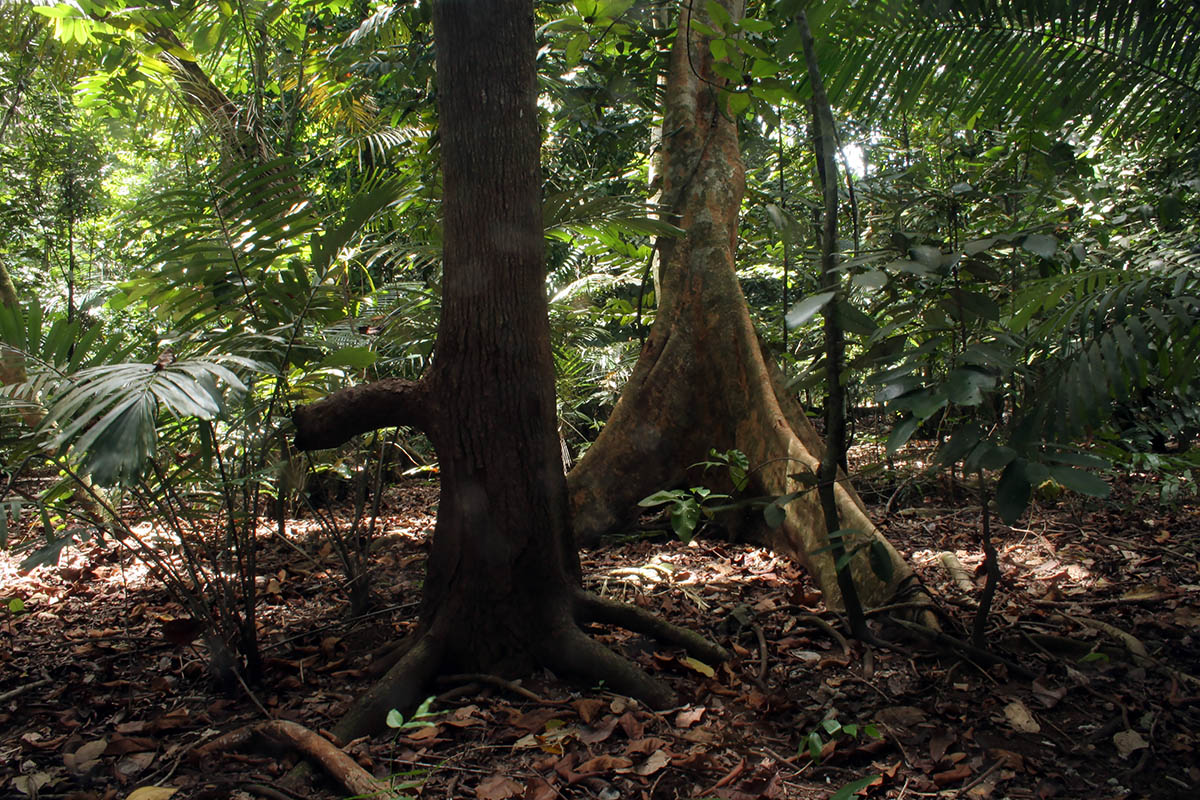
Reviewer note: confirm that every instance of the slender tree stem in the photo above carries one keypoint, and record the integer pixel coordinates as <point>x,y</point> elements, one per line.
<point>835,404</point>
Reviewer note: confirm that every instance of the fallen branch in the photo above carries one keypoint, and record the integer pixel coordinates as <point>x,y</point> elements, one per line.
<point>959,573</point>
<point>341,767</point>
<point>11,693</point>
<point>760,678</point>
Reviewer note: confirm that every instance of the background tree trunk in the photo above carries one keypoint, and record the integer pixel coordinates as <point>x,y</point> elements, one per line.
<point>703,380</point>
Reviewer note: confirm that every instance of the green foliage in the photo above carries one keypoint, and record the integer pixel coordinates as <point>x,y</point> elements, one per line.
<point>852,788</point>
<point>1120,68</point>
<point>830,729</point>
<point>422,717</point>
<point>686,507</point>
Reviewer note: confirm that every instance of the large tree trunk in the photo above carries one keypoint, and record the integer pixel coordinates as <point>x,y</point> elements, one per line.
<point>703,380</point>
<point>502,591</point>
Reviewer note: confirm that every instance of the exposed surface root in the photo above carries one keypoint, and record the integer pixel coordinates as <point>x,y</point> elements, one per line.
<point>341,767</point>
<point>403,686</point>
<point>566,650</point>
<point>477,678</point>
<point>569,651</point>
<point>964,648</point>
<point>593,608</point>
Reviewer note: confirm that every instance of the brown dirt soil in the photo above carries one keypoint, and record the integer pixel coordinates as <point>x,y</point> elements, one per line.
<point>97,702</point>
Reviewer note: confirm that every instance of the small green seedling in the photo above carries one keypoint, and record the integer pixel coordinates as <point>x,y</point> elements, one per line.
<point>854,787</point>
<point>421,718</point>
<point>830,729</point>
<point>688,505</point>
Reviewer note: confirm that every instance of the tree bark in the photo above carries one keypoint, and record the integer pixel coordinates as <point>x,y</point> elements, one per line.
<point>502,591</point>
<point>703,380</point>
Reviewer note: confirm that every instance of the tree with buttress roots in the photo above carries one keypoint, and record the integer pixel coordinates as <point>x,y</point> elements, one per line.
<point>502,589</point>
<point>703,380</point>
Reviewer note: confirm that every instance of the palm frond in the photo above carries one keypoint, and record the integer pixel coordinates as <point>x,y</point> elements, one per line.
<point>1126,69</point>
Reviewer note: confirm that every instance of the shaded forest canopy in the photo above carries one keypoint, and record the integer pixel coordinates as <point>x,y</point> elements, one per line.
<point>603,268</point>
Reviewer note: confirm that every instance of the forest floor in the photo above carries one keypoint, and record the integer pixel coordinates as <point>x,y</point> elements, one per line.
<point>1100,600</point>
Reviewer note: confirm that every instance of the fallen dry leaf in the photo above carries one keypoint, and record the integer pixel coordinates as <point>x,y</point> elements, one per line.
<point>657,760</point>
<point>603,764</point>
<point>1046,696</point>
<point>534,720</point>
<point>640,747</point>
<point>632,726</point>
<point>152,793</point>
<point>1008,758</point>
<point>498,787</point>
<point>121,745</point>
<point>689,716</point>
<point>30,784</point>
<point>959,773</point>
<point>589,734</point>
<point>84,757</point>
<point>424,732</point>
<point>901,716</point>
<point>939,743</point>
<point>133,764</point>
<point>1020,718</point>
<point>539,789</point>
<point>1129,742</point>
<point>589,709</point>
<point>463,717</point>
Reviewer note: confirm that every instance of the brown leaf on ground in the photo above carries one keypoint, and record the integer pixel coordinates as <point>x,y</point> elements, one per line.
<point>1020,718</point>
<point>498,787</point>
<point>464,717</point>
<point>589,708</point>
<point>955,775</point>
<point>901,716</point>
<point>589,734</point>
<point>657,760</point>
<point>534,720</point>
<point>939,743</point>
<point>632,726</point>
<point>689,716</point>
<point>603,764</point>
<point>539,789</point>
<point>640,747</point>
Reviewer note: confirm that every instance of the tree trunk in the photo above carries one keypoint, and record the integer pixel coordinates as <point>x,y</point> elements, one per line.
<point>703,379</point>
<point>502,591</point>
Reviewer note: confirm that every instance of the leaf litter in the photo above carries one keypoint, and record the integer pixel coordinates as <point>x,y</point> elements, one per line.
<point>104,698</point>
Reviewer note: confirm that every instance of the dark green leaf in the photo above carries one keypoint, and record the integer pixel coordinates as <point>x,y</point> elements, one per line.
<point>806,309</point>
<point>1079,481</point>
<point>684,518</point>
<point>854,787</point>
<point>1041,244</point>
<point>881,560</point>
<point>1013,491</point>
<point>48,553</point>
<point>966,386</point>
<point>903,431</point>
<point>958,445</point>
